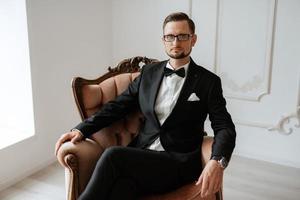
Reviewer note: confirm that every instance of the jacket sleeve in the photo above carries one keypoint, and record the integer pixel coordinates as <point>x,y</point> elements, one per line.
<point>112,111</point>
<point>221,122</point>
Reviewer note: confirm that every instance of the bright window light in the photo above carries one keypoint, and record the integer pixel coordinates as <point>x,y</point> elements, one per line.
<point>16,106</point>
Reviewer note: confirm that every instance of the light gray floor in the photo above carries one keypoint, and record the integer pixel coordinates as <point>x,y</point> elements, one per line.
<point>48,184</point>
<point>245,179</point>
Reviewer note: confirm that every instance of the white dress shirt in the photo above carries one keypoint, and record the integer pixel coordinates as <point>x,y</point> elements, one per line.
<point>166,99</point>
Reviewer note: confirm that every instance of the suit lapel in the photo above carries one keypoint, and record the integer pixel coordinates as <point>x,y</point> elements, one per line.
<point>192,78</point>
<point>156,79</point>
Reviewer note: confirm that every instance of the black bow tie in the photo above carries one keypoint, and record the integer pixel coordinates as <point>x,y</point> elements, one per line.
<point>180,72</point>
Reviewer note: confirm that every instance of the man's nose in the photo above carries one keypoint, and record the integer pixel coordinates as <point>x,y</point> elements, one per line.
<point>176,40</point>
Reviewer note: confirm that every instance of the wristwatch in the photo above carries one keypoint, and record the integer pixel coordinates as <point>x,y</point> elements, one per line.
<point>221,160</point>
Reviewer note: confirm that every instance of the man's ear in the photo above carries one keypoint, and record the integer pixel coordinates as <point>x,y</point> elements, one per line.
<point>194,39</point>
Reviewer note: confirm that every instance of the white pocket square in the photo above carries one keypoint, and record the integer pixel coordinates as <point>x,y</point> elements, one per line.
<point>193,97</point>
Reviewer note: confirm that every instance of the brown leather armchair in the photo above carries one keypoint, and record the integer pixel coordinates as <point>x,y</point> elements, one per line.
<point>80,159</point>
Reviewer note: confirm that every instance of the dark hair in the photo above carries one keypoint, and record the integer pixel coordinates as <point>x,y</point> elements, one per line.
<point>179,16</point>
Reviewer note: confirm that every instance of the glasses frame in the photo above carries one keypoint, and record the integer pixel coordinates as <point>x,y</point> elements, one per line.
<point>178,37</point>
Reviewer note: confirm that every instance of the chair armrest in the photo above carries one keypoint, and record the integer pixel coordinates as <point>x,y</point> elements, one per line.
<point>206,149</point>
<point>85,150</point>
<point>79,160</point>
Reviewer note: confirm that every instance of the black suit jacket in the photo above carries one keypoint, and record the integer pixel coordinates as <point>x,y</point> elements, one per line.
<point>182,132</point>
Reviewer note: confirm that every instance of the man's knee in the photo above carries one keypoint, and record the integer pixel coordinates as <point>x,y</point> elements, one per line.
<point>112,153</point>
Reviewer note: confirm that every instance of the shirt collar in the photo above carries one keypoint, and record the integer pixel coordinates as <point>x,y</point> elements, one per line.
<point>184,66</point>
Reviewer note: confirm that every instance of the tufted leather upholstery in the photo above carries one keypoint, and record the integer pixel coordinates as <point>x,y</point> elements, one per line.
<point>80,159</point>
<point>94,96</point>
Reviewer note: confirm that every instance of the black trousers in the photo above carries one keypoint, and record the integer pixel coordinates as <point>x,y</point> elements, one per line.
<point>127,173</point>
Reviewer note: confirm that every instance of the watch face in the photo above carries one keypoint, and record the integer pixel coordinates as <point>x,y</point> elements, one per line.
<point>223,162</point>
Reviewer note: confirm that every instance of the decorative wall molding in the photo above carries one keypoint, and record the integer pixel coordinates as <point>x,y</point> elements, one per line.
<point>281,126</point>
<point>262,86</point>
<point>284,121</point>
<point>217,37</point>
<point>190,8</point>
<point>252,124</point>
<point>250,85</point>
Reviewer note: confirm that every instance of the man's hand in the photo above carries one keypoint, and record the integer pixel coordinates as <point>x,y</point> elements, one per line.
<point>75,136</point>
<point>210,178</point>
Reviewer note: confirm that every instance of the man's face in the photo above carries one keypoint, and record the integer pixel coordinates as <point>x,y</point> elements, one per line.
<point>178,49</point>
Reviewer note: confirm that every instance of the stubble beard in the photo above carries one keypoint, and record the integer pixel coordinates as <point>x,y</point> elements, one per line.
<point>180,55</point>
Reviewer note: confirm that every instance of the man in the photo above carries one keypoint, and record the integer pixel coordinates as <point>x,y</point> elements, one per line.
<point>175,97</point>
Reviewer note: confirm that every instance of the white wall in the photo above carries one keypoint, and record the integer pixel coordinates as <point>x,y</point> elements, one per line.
<point>66,38</point>
<point>137,26</point>
<point>253,45</point>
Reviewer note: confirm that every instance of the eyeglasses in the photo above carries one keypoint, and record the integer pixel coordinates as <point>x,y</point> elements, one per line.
<point>180,37</point>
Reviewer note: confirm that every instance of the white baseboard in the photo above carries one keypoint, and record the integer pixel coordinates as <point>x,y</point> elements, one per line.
<point>20,176</point>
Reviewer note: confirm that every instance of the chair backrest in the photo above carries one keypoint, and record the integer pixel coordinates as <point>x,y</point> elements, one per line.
<point>90,95</point>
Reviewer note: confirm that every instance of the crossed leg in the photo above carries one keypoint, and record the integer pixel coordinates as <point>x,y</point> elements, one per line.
<point>127,172</point>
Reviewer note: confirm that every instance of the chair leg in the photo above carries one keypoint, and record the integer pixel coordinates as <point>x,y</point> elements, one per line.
<point>73,188</point>
<point>219,195</point>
